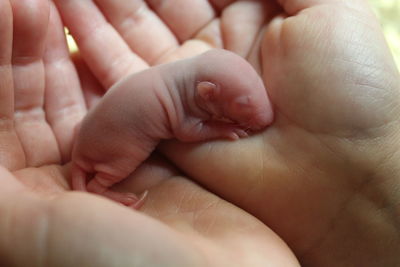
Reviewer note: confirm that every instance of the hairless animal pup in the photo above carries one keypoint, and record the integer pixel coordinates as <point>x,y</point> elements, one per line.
<point>215,95</point>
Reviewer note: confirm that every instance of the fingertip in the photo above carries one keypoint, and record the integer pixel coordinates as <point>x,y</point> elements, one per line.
<point>30,22</point>
<point>56,44</point>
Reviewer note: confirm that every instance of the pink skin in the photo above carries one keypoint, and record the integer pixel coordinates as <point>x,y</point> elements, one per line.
<point>214,95</point>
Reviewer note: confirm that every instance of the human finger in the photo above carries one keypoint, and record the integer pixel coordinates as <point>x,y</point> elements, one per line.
<point>144,32</point>
<point>64,103</point>
<point>188,19</point>
<point>103,49</point>
<point>241,23</point>
<point>91,87</point>
<point>11,153</point>
<point>30,29</point>
<point>220,4</point>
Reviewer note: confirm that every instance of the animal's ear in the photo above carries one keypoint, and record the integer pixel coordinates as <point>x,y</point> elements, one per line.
<point>207,90</point>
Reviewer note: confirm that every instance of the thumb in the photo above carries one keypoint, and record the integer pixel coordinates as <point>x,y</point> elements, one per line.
<point>328,68</point>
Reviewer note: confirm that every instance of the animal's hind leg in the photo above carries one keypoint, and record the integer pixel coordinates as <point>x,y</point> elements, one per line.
<point>126,198</point>
<point>101,183</point>
<point>78,179</point>
<point>216,129</point>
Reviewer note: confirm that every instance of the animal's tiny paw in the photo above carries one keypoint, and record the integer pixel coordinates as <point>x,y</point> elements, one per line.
<point>126,198</point>
<point>237,133</point>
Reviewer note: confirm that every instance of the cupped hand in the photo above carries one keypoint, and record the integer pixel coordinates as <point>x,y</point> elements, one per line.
<point>42,99</point>
<point>323,176</point>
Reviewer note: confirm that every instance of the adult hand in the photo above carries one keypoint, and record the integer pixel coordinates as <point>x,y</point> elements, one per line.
<point>324,175</point>
<point>43,224</point>
<point>326,180</point>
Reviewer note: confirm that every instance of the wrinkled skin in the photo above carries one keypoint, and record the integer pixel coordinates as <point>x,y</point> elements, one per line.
<point>323,177</point>
<point>198,99</point>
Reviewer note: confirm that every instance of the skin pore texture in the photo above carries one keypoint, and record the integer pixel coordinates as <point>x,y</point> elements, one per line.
<point>215,95</point>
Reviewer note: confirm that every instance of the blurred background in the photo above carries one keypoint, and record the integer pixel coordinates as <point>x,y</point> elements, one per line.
<point>388,12</point>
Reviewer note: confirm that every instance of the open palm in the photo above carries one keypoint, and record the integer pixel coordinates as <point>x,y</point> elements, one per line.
<point>323,167</point>
<point>42,223</point>
<point>328,161</point>
<point>322,176</point>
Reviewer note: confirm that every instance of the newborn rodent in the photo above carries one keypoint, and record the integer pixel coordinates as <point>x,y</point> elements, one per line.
<point>214,95</point>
